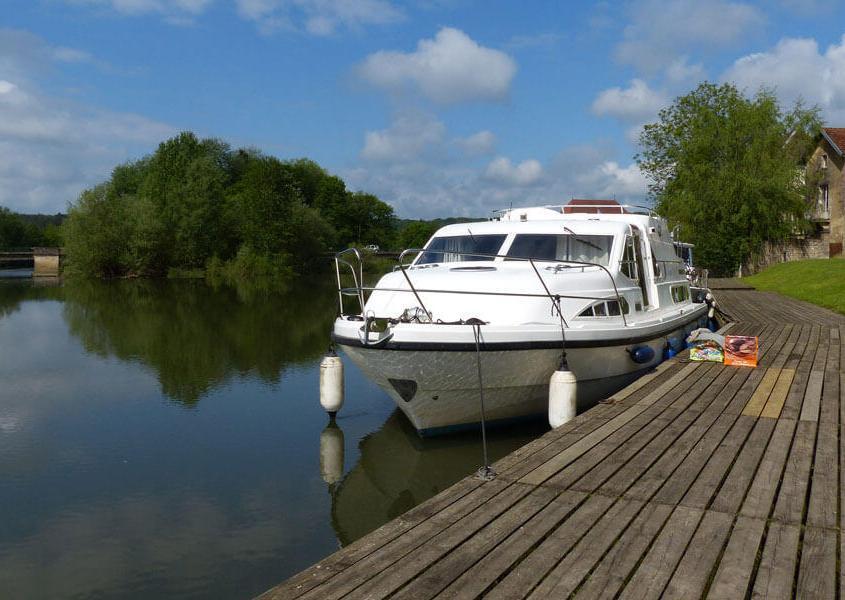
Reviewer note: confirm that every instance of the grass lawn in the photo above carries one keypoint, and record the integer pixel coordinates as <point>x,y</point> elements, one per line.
<point>820,281</point>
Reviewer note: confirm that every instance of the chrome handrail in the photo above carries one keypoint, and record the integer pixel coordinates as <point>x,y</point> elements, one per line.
<point>358,278</point>
<point>555,304</point>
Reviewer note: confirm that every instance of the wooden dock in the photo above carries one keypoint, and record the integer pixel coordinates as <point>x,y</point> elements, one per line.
<point>699,480</point>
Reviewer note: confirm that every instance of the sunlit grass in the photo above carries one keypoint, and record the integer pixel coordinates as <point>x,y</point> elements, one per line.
<point>821,282</point>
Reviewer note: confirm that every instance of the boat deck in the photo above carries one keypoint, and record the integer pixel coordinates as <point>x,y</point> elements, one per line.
<point>697,480</point>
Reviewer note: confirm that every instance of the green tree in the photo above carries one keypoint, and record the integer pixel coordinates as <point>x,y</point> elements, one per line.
<point>13,233</point>
<point>416,233</point>
<point>97,233</point>
<point>725,169</point>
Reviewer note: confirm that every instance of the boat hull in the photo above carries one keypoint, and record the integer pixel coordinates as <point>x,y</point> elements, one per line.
<point>438,389</point>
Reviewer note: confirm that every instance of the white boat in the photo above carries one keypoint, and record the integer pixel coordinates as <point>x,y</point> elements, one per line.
<point>601,282</point>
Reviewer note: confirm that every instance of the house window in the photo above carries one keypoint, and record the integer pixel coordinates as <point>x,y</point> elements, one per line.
<point>824,161</point>
<point>824,198</point>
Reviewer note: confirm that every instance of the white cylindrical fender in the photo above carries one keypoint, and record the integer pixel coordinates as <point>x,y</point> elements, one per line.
<point>562,397</point>
<point>331,383</point>
<point>331,453</point>
<point>711,313</point>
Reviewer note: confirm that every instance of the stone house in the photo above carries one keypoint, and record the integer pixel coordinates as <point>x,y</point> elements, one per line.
<point>825,173</point>
<point>826,170</point>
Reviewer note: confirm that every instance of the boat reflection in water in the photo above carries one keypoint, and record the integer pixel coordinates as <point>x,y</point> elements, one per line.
<point>398,470</point>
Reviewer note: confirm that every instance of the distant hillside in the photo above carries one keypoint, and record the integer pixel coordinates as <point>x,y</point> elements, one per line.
<point>41,221</point>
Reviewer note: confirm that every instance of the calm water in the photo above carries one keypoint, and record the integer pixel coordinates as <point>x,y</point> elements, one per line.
<point>163,439</point>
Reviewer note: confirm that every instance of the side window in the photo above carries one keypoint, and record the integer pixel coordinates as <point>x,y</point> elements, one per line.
<point>629,259</point>
<point>680,293</point>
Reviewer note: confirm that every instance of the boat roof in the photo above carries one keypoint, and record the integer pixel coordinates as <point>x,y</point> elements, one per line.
<point>548,219</point>
<point>575,224</point>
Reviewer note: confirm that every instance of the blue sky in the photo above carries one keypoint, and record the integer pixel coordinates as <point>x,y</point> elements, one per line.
<point>440,107</point>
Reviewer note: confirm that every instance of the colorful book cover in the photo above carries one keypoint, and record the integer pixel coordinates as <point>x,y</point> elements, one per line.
<point>706,351</point>
<point>741,350</point>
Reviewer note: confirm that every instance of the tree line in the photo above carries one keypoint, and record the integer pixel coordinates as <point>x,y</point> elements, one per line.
<point>199,204</point>
<point>20,232</point>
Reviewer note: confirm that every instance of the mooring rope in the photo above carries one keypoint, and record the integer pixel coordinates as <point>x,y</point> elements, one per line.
<point>486,472</point>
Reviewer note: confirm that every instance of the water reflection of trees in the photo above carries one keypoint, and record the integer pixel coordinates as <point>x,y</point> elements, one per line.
<point>15,291</point>
<point>196,336</point>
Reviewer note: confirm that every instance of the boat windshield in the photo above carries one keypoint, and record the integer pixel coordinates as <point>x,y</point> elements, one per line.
<point>461,248</point>
<point>579,248</point>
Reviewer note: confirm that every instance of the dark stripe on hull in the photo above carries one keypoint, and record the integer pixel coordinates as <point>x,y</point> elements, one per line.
<point>534,345</point>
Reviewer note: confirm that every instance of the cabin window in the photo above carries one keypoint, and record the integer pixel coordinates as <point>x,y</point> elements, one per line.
<point>610,308</point>
<point>461,248</point>
<point>680,293</point>
<point>564,247</point>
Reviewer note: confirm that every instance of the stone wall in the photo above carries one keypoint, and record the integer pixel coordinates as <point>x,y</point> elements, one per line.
<point>811,246</point>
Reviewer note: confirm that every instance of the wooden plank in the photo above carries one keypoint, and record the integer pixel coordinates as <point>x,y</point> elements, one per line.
<point>642,381</point>
<point>733,577</point>
<point>829,410</point>
<point>812,397</point>
<point>659,563</point>
<point>789,507</point>
<point>569,572</point>
<point>733,489</point>
<point>665,388</point>
<point>561,460</point>
<point>777,564</point>
<point>711,476</point>
<point>633,434</point>
<point>761,394</point>
<point>610,574</point>
<point>477,579</point>
<point>687,472</point>
<point>459,557</point>
<point>760,497</point>
<point>690,578</point>
<point>777,398</point>
<point>817,572</point>
<point>629,460</point>
<point>821,510</point>
<point>622,479</point>
<point>394,565</point>
<point>528,573</point>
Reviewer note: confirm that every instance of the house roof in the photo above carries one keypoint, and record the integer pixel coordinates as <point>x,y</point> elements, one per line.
<point>836,137</point>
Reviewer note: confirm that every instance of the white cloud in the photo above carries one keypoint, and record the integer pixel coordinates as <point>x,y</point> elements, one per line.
<point>610,180</point>
<point>318,17</point>
<point>477,144</point>
<point>408,136</point>
<point>661,29</point>
<point>796,68</point>
<point>633,104</point>
<point>448,69</point>
<point>50,147</point>
<point>421,189</point>
<point>680,71</point>
<point>525,173</point>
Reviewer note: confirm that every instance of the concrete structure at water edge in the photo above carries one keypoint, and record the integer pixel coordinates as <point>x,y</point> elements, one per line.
<point>47,262</point>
